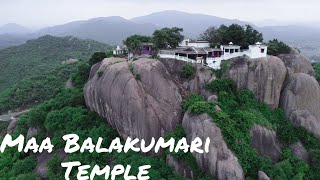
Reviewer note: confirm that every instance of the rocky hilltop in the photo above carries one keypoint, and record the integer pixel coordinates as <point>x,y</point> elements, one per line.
<point>139,98</point>
<point>286,81</point>
<point>143,99</point>
<point>263,76</point>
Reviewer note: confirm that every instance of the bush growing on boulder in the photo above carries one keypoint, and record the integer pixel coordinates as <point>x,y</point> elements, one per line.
<point>188,71</point>
<point>220,85</point>
<point>241,111</point>
<point>97,57</point>
<point>276,47</point>
<point>100,73</point>
<point>316,67</point>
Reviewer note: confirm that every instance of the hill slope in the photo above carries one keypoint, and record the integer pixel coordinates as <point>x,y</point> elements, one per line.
<point>111,30</point>
<point>41,55</point>
<point>193,24</point>
<point>13,28</point>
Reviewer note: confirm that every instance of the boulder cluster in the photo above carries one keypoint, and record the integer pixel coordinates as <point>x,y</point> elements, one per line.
<point>142,99</point>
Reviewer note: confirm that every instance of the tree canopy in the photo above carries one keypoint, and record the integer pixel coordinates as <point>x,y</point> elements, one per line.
<point>241,35</point>
<point>276,47</point>
<point>97,57</point>
<point>134,42</point>
<point>167,37</point>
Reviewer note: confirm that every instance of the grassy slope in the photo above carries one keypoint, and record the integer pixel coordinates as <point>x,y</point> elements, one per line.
<point>42,55</point>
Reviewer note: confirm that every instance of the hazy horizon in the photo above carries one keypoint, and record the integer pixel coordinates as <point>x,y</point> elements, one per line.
<point>41,13</point>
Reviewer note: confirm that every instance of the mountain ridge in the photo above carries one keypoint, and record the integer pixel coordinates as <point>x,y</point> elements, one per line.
<point>114,29</point>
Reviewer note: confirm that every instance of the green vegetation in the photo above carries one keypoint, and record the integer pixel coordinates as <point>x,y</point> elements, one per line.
<point>134,43</point>
<point>276,47</point>
<point>131,68</point>
<point>240,112</point>
<point>41,55</point>
<point>138,77</point>
<point>66,113</point>
<point>188,71</point>
<point>316,67</point>
<point>163,38</point>
<point>36,89</point>
<point>98,57</point>
<point>243,36</point>
<point>186,158</point>
<point>224,67</point>
<point>100,73</point>
<point>167,37</point>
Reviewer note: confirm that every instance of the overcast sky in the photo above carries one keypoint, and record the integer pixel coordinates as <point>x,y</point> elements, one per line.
<point>40,13</point>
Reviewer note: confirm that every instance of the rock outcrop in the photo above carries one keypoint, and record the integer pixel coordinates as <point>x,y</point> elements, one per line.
<point>139,99</point>
<point>301,102</point>
<point>263,76</point>
<point>195,84</point>
<point>43,159</point>
<point>300,152</point>
<point>32,132</point>
<point>297,63</point>
<point>220,162</point>
<point>265,141</point>
<point>213,98</point>
<point>262,176</point>
<point>69,84</point>
<point>180,167</point>
<point>12,126</point>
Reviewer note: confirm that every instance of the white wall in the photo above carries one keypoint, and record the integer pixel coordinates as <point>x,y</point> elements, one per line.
<point>199,45</point>
<point>255,51</point>
<point>187,43</point>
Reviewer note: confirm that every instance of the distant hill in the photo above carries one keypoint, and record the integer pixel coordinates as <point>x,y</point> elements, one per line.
<point>111,30</point>
<point>9,40</point>
<point>14,34</point>
<point>193,24</point>
<point>41,55</point>
<point>13,28</point>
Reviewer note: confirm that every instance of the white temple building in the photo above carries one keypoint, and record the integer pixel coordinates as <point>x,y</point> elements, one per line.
<point>120,51</point>
<point>200,52</point>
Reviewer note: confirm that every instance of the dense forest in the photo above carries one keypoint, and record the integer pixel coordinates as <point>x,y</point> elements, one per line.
<point>42,55</point>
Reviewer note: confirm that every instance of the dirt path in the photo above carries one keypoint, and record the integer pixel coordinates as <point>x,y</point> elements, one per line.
<point>9,117</point>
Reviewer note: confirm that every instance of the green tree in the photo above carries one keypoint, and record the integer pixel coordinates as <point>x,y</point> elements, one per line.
<point>212,35</point>
<point>276,47</point>
<point>252,36</point>
<point>97,57</point>
<point>240,35</point>
<point>134,42</point>
<point>167,37</point>
<point>188,71</point>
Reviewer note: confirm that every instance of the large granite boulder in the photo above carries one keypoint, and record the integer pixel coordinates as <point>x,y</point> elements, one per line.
<point>139,98</point>
<point>180,167</point>
<point>301,102</point>
<point>297,63</point>
<point>263,76</point>
<point>265,141</point>
<point>220,162</point>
